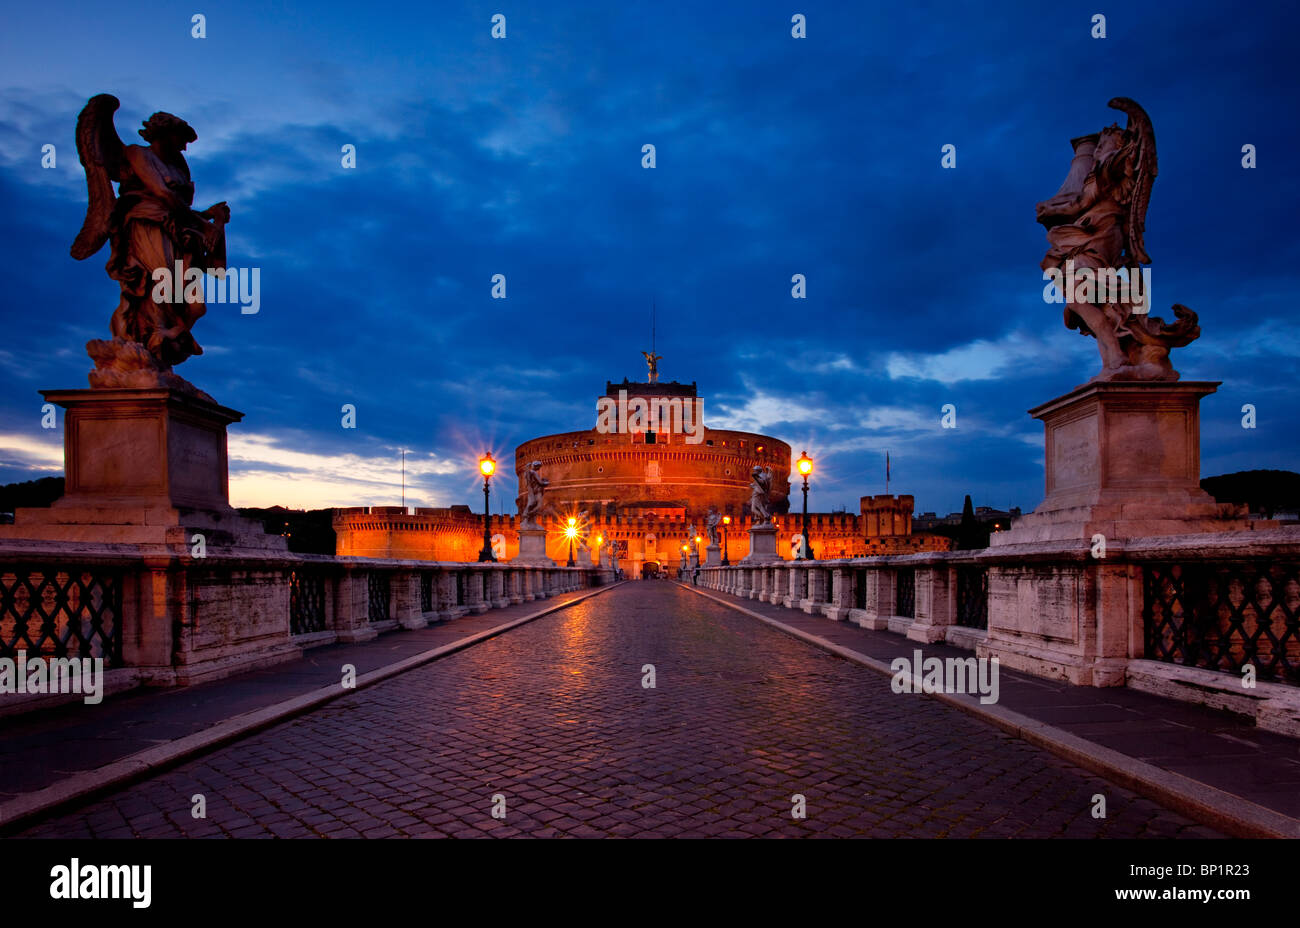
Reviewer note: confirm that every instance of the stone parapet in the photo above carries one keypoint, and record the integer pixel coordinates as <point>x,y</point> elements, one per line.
<point>178,619</point>
<point>1184,615</point>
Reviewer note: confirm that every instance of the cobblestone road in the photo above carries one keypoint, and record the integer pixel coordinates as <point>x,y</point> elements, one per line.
<point>553,718</point>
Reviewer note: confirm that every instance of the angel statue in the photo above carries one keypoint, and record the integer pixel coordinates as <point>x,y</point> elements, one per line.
<point>1095,224</point>
<point>535,488</point>
<point>760,501</point>
<point>153,233</point>
<point>711,523</point>
<point>653,360</point>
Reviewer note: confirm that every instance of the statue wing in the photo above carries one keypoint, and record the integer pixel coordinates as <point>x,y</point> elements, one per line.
<point>104,157</point>
<point>1139,122</point>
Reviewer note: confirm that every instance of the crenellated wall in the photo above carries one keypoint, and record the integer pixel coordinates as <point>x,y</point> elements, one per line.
<point>646,537</point>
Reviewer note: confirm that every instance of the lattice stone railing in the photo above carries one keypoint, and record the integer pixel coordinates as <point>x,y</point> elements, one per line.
<point>1221,602</point>
<point>61,611</point>
<point>1225,616</point>
<point>177,618</point>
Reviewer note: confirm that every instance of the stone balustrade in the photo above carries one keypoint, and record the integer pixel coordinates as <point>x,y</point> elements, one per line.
<point>865,591</point>
<point>1210,617</point>
<point>178,619</point>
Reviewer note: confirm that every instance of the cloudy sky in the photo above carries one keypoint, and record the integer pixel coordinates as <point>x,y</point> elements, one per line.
<point>775,156</point>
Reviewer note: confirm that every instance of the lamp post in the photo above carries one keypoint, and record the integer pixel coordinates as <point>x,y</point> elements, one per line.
<point>571,532</point>
<point>805,466</point>
<point>487,467</point>
<point>726,520</point>
<point>600,539</point>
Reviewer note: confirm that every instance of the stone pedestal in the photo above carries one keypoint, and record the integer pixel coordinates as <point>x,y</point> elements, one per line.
<point>713,556</point>
<point>145,467</point>
<point>1123,460</point>
<point>532,548</point>
<point>762,545</point>
<point>694,560</point>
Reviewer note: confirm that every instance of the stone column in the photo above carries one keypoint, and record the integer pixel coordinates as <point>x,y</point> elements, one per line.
<point>147,621</point>
<point>795,573</point>
<point>474,600</point>
<point>780,584</point>
<point>514,585</point>
<point>497,579</point>
<point>841,598</point>
<point>406,599</point>
<point>444,595</point>
<point>352,605</point>
<point>936,604</point>
<point>811,603</point>
<point>879,599</point>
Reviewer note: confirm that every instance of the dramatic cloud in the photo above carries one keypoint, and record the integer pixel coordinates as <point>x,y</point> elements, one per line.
<point>775,157</point>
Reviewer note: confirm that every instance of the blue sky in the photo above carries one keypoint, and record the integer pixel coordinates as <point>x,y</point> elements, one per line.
<point>775,156</point>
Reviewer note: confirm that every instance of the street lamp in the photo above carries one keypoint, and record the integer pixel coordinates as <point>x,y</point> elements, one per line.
<point>805,466</point>
<point>726,520</point>
<point>487,467</point>
<point>571,532</point>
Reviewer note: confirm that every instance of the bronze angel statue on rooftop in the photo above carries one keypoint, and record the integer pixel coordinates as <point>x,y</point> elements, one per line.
<point>1095,226</point>
<point>153,233</point>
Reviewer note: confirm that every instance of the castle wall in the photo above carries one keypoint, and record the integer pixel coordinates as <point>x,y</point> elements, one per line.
<point>457,535</point>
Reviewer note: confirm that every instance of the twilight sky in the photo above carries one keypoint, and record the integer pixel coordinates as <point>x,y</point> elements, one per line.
<point>775,156</point>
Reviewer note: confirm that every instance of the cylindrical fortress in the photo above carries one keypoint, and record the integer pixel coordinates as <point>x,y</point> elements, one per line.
<point>621,468</point>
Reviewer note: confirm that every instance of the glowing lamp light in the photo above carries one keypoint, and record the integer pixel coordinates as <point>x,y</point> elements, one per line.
<point>486,465</point>
<point>805,464</point>
<point>726,520</point>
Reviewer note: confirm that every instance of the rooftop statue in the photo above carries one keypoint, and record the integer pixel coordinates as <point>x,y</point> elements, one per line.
<point>652,361</point>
